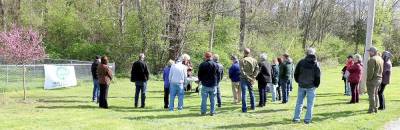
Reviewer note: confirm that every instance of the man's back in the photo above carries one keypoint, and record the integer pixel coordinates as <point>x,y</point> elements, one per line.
<point>375,68</point>
<point>307,72</point>
<point>139,71</point>
<point>178,73</point>
<point>248,69</point>
<point>208,73</point>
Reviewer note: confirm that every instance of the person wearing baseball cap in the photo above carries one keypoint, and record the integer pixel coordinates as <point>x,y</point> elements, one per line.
<point>374,78</point>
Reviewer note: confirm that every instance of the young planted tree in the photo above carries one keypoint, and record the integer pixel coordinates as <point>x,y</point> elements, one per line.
<point>21,46</point>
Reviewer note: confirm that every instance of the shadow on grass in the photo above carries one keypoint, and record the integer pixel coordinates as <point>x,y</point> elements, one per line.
<point>250,125</point>
<point>62,101</point>
<point>164,116</point>
<point>329,94</point>
<point>133,109</point>
<point>68,107</point>
<point>334,115</point>
<point>331,104</point>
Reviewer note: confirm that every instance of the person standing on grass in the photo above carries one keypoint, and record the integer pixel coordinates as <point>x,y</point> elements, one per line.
<point>264,79</point>
<point>186,61</point>
<point>177,77</point>
<point>208,77</point>
<point>354,78</point>
<point>234,75</point>
<point>104,74</point>
<point>249,70</point>
<point>290,81</point>
<point>140,75</point>
<point>285,70</point>
<point>220,77</point>
<point>374,78</point>
<point>349,63</point>
<point>275,79</point>
<point>308,76</point>
<point>387,70</point>
<point>166,83</point>
<point>96,85</point>
<point>279,88</point>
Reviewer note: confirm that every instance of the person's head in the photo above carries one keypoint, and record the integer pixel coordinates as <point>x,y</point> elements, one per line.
<point>275,61</point>
<point>216,57</point>
<point>208,56</point>
<point>98,58</point>
<point>185,57</point>
<point>171,62</point>
<point>263,57</point>
<point>285,57</point>
<point>386,56</point>
<point>357,58</point>
<point>246,52</point>
<point>234,58</point>
<point>141,56</point>
<point>280,61</point>
<point>104,60</point>
<point>372,51</point>
<point>179,59</point>
<point>310,51</point>
<point>350,57</point>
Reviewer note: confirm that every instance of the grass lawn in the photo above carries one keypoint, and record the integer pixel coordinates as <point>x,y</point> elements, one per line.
<point>71,108</point>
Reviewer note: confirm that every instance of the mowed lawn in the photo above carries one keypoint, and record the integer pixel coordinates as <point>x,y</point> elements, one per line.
<point>71,108</point>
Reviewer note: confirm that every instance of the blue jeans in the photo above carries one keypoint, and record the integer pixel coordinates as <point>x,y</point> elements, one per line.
<point>247,85</point>
<point>273,91</point>
<point>176,89</point>
<point>96,90</point>
<point>285,90</point>
<point>303,92</point>
<point>205,93</point>
<point>141,87</point>
<point>290,85</point>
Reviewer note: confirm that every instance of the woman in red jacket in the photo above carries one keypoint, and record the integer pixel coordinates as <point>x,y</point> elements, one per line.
<point>355,71</point>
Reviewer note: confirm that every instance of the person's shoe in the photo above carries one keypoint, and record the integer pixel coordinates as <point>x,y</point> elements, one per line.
<point>166,107</point>
<point>141,106</point>
<point>381,108</point>
<point>307,122</point>
<point>296,121</point>
<point>212,114</point>
<point>203,114</point>
<point>219,105</point>
<point>253,109</point>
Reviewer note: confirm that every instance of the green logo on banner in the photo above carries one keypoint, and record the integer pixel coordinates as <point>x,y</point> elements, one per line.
<point>62,72</point>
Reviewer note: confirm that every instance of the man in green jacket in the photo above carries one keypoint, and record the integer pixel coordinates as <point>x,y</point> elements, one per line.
<point>249,70</point>
<point>285,74</point>
<point>374,78</point>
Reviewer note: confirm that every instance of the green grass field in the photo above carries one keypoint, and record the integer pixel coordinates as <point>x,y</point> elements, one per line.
<point>71,108</point>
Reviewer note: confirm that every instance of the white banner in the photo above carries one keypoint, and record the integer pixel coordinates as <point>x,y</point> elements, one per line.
<point>59,76</point>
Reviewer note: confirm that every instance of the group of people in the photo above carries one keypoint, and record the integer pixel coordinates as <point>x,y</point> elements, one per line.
<point>275,78</point>
<point>378,77</point>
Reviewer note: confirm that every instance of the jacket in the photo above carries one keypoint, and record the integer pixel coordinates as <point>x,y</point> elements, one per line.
<point>139,71</point>
<point>166,76</point>
<point>308,73</point>
<point>249,69</point>
<point>220,71</point>
<point>265,75</point>
<point>178,73</point>
<point>387,67</point>
<point>104,74</point>
<point>275,74</point>
<point>285,70</point>
<point>95,64</point>
<point>375,69</point>
<point>208,73</point>
<point>234,72</point>
<point>355,73</point>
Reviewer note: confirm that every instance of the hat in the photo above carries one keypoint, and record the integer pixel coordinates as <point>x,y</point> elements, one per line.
<point>372,49</point>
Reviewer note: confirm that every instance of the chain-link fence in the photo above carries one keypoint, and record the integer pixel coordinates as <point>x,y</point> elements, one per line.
<point>11,76</point>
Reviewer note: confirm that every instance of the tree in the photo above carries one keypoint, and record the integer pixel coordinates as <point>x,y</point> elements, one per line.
<point>242,23</point>
<point>21,46</point>
<point>138,4</point>
<point>176,27</point>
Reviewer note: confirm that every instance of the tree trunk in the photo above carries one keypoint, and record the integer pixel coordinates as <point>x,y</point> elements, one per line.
<point>212,23</point>
<point>2,15</point>
<point>15,11</point>
<point>23,80</point>
<point>121,20</point>
<point>175,28</point>
<point>242,24</point>
<point>142,25</point>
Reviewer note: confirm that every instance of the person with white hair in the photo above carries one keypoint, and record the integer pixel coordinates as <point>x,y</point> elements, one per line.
<point>186,61</point>
<point>308,75</point>
<point>355,74</point>
<point>264,79</point>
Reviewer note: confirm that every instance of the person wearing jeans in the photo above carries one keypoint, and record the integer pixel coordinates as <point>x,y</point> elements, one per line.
<point>285,72</point>
<point>387,70</point>
<point>177,77</point>
<point>220,77</point>
<point>166,83</point>
<point>264,79</point>
<point>275,79</point>
<point>209,79</point>
<point>96,85</point>
<point>249,70</point>
<point>140,75</point>
<point>308,75</point>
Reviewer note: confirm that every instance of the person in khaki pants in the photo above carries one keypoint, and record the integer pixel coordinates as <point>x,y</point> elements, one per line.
<point>234,75</point>
<point>374,78</point>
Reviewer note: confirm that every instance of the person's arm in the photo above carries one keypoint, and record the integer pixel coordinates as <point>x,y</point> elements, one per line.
<point>146,71</point>
<point>230,72</point>
<point>133,73</point>
<point>200,72</point>
<point>256,69</point>
<point>317,77</point>
<point>185,75</point>
<point>371,69</point>
<point>109,73</point>
<point>241,68</point>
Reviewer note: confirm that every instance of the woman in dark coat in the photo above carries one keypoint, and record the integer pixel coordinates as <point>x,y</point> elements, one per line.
<point>105,76</point>
<point>387,70</point>
<point>354,78</point>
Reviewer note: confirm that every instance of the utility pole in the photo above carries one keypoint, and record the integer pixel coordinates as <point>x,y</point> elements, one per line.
<point>368,41</point>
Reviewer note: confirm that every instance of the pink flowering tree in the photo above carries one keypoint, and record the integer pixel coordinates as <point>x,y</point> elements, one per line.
<point>21,46</point>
